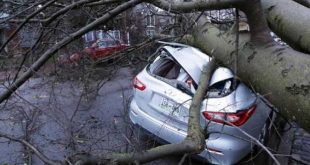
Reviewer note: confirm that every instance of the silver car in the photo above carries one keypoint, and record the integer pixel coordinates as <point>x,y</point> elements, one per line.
<point>163,91</point>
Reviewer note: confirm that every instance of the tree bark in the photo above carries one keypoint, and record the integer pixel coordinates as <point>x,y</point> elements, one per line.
<point>290,21</point>
<point>281,74</point>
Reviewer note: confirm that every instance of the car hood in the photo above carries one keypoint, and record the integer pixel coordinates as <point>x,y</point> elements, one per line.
<point>191,59</point>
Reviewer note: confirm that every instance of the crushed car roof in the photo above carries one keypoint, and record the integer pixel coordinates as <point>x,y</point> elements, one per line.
<point>190,58</point>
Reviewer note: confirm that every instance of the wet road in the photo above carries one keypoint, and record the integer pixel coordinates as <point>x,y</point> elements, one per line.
<point>64,118</point>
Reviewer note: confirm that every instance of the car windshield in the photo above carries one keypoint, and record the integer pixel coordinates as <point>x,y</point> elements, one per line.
<point>106,44</point>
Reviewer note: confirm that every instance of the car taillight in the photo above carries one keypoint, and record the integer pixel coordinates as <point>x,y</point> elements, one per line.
<point>236,119</point>
<point>138,84</point>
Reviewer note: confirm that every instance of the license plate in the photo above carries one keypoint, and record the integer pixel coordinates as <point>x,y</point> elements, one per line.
<point>172,109</point>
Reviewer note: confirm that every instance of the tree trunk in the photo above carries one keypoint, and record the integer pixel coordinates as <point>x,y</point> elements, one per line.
<point>279,73</point>
<point>290,21</point>
<point>304,2</point>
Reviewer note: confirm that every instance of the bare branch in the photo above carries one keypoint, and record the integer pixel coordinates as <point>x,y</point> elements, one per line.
<point>22,24</point>
<point>41,61</point>
<point>72,6</point>
<point>67,8</point>
<point>259,144</point>
<point>12,2</point>
<point>34,149</point>
<point>22,11</point>
<point>103,2</point>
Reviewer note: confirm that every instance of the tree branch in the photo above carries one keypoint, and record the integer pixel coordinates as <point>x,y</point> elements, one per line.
<point>75,5</point>
<point>22,11</point>
<point>280,15</point>
<point>195,5</point>
<point>78,4</point>
<point>259,30</point>
<point>252,8</point>
<point>259,144</point>
<point>268,68</point>
<point>34,149</point>
<point>25,21</point>
<point>50,52</point>
<point>285,18</point>
<point>103,2</point>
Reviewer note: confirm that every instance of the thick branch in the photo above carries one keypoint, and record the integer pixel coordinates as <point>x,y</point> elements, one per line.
<point>252,8</point>
<point>145,156</point>
<point>284,17</point>
<point>290,21</point>
<point>280,73</point>
<point>257,22</point>
<point>195,5</point>
<point>194,115</point>
<point>103,2</point>
<point>41,61</point>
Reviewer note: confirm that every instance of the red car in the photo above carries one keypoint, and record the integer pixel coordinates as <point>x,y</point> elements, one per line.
<point>99,49</point>
<point>103,48</point>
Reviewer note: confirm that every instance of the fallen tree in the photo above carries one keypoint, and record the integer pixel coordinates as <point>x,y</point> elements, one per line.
<point>283,72</point>
<point>280,73</point>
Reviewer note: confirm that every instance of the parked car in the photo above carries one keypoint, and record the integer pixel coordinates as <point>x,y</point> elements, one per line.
<point>103,48</point>
<point>162,96</point>
<point>100,49</point>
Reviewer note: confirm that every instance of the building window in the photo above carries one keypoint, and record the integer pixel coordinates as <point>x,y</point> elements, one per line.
<point>90,36</point>
<point>150,20</point>
<point>114,34</point>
